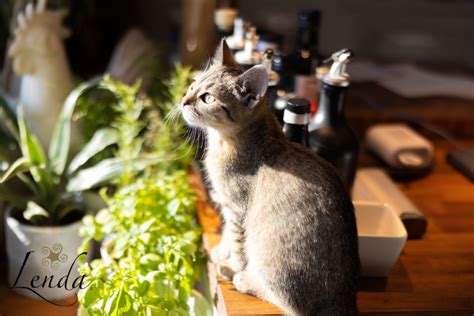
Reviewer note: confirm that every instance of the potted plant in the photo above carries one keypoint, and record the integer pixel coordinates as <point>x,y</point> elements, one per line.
<point>151,262</point>
<point>42,226</point>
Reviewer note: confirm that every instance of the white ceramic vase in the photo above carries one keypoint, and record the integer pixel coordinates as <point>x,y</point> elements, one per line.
<point>42,261</point>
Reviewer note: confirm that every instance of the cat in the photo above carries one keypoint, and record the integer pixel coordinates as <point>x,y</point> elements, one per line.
<point>289,233</point>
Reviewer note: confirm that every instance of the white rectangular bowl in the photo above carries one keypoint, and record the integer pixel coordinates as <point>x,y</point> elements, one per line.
<point>381,237</point>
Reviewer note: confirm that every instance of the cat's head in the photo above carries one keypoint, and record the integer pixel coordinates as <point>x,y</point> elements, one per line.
<point>224,97</point>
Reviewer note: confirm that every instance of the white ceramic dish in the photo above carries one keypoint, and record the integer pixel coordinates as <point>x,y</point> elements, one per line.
<point>381,237</point>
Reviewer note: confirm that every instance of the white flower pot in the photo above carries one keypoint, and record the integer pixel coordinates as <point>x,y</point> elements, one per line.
<point>42,261</point>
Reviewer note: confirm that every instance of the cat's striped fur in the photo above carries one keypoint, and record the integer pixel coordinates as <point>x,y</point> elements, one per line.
<point>290,235</point>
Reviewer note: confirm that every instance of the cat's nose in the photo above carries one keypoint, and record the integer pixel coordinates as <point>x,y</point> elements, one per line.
<point>187,101</point>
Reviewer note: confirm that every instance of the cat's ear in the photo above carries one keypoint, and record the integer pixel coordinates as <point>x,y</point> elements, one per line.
<point>223,56</point>
<point>254,83</point>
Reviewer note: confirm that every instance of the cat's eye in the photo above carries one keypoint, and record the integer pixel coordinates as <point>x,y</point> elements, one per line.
<point>207,98</point>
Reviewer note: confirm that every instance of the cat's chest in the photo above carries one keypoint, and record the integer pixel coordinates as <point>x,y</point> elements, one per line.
<point>221,170</point>
<point>229,181</point>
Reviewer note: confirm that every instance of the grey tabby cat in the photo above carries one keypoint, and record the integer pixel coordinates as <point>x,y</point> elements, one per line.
<point>290,235</point>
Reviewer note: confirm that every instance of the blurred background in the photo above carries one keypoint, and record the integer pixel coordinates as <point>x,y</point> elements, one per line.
<point>437,35</point>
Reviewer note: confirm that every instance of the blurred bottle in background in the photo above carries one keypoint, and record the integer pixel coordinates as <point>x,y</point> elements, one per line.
<point>224,18</point>
<point>330,136</point>
<point>306,57</point>
<point>249,56</point>
<point>236,41</point>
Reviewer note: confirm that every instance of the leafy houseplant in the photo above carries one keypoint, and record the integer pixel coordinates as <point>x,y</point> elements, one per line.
<point>53,181</point>
<point>151,257</point>
<point>54,186</point>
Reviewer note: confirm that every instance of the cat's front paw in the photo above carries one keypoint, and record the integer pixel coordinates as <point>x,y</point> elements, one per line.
<point>243,283</point>
<point>219,253</point>
<point>228,268</point>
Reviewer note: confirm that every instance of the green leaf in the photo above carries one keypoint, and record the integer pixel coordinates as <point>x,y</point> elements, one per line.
<point>150,260</point>
<point>199,305</point>
<point>104,172</point>
<point>173,207</point>
<point>90,294</point>
<point>20,165</point>
<point>84,247</point>
<point>120,246</point>
<point>119,303</point>
<point>101,139</point>
<point>30,146</point>
<point>110,305</point>
<point>143,287</point>
<point>33,152</point>
<point>8,115</point>
<point>59,147</point>
<point>33,211</point>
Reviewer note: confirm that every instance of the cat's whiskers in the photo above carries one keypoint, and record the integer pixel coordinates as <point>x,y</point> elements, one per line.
<point>173,116</point>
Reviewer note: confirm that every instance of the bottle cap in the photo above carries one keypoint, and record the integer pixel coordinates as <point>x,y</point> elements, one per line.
<point>297,112</point>
<point>298,106</point>
<point>337,73</point>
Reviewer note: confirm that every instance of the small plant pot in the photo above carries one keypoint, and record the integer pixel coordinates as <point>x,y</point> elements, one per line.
<point>43,261</point>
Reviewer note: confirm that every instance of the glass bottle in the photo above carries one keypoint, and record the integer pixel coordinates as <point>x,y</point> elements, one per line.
<point>306,56</point>
<point>249,57</point>
<point>296,119</point>
<point>330,136</point>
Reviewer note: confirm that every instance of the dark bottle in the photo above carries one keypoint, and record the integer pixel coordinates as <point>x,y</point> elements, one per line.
<point>306,57</point>
<point>296,119</point>
<point>330,136</point>
<point>282,65</point>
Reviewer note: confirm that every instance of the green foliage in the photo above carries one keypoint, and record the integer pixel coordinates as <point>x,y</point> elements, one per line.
<point>150,250</point>
<point>52,185</point>
<point>95,111</point>
<point>167,129</point>
<point>152,257</point>
<point>127,123</point>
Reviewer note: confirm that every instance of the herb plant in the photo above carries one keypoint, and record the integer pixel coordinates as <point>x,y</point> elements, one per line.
<point>150,250</point>
<point>151,258</point>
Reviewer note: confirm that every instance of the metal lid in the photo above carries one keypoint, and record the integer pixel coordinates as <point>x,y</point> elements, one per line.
<point>298,106</point>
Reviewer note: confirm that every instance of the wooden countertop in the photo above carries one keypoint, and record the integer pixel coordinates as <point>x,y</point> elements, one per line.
<point>433,276</point>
